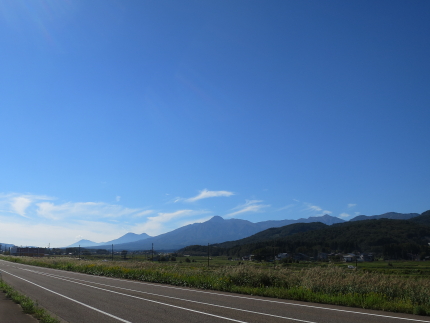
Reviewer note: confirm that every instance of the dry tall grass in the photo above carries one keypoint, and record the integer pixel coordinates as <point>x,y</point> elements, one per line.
<point>330,284</point>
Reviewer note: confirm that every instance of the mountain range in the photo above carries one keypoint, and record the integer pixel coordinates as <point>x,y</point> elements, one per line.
<point>392,238</point>
<point>128,237</point>
<point>389,215</point>
<point>217,230</point>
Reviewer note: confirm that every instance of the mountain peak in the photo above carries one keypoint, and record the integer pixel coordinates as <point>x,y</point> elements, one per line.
<point>216,218</point>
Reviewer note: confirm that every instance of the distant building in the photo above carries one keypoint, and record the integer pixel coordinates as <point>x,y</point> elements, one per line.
<point>282,255</point>
<point>323,256</point>
<point>367,257</point>
<point>30,252</point>
<point>349,257</point>
<point>300,256</point>
<point>250,257</point>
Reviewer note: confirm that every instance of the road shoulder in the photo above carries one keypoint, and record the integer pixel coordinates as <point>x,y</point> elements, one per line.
<point>10,312</point>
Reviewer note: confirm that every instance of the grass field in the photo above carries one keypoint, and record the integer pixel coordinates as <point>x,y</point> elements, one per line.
<point>390,286</point>
<point>396,267</point>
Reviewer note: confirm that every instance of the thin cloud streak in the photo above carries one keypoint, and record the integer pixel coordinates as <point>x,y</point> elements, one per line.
<point>162,223</point>
<point>83,209</point>
<point>285,207</point>
<point>204,194</point>
<point>313,207</point>
<point>249,206</point>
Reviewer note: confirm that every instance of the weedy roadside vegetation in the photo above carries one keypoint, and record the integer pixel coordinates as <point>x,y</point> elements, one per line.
<point>28,306</point>
<point>327,284</point>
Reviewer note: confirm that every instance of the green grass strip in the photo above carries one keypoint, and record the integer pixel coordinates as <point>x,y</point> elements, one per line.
<point>28,306</point>
<point>328,284</point>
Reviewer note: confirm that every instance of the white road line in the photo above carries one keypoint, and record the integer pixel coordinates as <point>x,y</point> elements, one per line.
<point>165,296</point>
<point>71,299</point>
<point>122,294</point>
<point>236,296</point>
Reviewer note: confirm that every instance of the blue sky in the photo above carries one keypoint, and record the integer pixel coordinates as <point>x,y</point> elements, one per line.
<point>143,116</point>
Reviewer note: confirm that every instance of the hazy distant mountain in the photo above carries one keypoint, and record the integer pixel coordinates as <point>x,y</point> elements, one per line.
<point>128,237</point>
<point>83,243</point>
<point>389,215</point>
<point>216,230</point>
<point>326,219</point>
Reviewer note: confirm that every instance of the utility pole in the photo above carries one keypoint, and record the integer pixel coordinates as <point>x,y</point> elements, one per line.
<point>208,255</point>
<point>152,257</point>
<point>274,259</point>
<point>112,251</point>
<point>79,251</point>
<point>356,257</point>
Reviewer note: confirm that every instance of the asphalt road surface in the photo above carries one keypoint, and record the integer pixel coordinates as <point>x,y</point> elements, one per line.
<point>79,298</point>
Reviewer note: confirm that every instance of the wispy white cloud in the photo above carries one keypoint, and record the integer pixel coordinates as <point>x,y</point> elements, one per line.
<point>314,209</point>
<point>143,213</point>
<point>163,221</point>
<point>344,215</point>
<point>31,233</point>
<point>249,206</point>
<point>118,198</point>
<point>33,220</point>
<point>204,194</point>
<point>83,209</point>
<point>286,207</point>
<point>311,207</point>
<point>164,217</point>
<point>19,203</point>
<point>351,205</point>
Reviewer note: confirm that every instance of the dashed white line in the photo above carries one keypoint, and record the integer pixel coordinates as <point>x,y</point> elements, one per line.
<point>241,297</point>
<point>71,299</point>
<point>165,296</point>
<point>132,296</point>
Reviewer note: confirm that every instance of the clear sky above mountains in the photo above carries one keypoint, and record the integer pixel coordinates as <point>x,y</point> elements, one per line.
<point>143,116</point>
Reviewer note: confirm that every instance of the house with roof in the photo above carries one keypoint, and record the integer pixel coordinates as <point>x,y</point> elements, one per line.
<point>350,257</point>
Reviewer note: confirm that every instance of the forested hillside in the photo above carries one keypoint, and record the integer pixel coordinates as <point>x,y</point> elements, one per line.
<point>385,237</point>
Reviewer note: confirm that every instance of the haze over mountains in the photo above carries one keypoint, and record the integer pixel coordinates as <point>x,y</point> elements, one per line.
<point>128,237</point>
<point>392,238</point>
<point>389,215</point>
<point>217,230</point>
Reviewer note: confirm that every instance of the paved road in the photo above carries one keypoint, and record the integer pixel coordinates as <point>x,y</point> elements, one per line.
<point>75,297</point>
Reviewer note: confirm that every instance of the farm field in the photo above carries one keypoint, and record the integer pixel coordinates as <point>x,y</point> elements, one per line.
<point>393,267</point>
<point>390,286</point>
